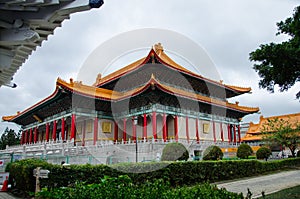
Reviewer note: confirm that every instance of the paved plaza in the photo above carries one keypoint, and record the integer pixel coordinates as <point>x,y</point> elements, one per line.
<point>4,195</point>
<point>267,183</point>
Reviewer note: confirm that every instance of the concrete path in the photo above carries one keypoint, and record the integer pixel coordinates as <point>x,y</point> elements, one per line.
<point>4,195</point>
<point>267,183</point>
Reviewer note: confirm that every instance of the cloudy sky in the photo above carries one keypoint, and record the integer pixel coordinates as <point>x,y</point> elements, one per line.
<point>227,30</point>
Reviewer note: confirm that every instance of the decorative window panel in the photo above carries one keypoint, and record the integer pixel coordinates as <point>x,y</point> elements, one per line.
<point>206,127</point>
<point>106,127</point>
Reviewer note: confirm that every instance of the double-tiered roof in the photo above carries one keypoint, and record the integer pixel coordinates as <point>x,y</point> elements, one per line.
<point>154,79</point>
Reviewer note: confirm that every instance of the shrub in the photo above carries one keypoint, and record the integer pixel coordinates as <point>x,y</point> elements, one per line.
<point>263,153</point>
<point>178,174</point>
<point>174,151</point>
<point>123,187</point>
<point>212,153</point>
<point>244,151</point>
<point>21,174</point>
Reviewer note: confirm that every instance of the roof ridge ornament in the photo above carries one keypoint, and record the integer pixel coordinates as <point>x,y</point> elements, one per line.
<point>158,48</point>
<point>98,79</point>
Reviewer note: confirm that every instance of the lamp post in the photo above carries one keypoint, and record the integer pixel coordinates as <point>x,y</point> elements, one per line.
<point>135,121</point>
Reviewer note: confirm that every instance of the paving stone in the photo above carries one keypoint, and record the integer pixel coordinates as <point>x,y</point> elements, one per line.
<point>267,183</point>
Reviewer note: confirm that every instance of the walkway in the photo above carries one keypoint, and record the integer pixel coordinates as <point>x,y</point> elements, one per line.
<point>4,195</point>
<point>268,183</point>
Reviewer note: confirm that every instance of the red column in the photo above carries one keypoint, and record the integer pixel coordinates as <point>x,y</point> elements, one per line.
<point>73,121</point>
<point>95,130</point>
<point>134,130</point>
<point>222,133</point>
<point>26,137</point>
<point>42,136</point>
<point>164,127</point>
<point>229,133</point>
<point>83,133</point>
<point>234,130</point>
<point>197,131</point>
<point>63,129</point>
<point>47,132</point>
<point>35,136</point>
<point>30,136</point>
<point>22,138</point>
<point>145,126</point>
<point>154,125</point>
<point>124,130</point>
<point>176,127</point>
<point>187,129</point>
<point>54,130</point>
<point>239,133</point>
<point>116,132</point>
<point>214,131</point>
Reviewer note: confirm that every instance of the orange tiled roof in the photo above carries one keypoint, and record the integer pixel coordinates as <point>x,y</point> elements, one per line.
<point>8,118</point>
<point>255,130</point>
<point>105,94</point>
<point>159,53</point>
<point>112,95</point>
<point>252,138</point>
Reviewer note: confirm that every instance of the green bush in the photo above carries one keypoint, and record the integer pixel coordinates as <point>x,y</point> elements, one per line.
<point>263,153</point>
<point>21,174</point>
<point>244,151</point>
<point>212,153</point>
<point>298,154</point>
<point>178,174</point>
<point>123,187</point>
<point>174,151</point>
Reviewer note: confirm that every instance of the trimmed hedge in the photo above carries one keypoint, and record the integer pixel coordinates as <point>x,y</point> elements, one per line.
<point>213,153</point>
<point>174,151</point>
<point>177,173</point>
<point>244,151</point>
<point>123,187</point>
<point>263,153</point>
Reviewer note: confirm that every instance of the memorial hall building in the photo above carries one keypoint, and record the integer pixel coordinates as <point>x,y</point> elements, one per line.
<point>153,99</point>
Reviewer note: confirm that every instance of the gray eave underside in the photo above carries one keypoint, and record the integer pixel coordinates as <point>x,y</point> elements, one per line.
<point>25,24</point>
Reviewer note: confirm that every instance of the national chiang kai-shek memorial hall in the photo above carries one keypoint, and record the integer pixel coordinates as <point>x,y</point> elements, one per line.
<point>132,113</point>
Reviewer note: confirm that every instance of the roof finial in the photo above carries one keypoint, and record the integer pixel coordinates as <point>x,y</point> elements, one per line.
<point>98,79</point>
<point>158,48</point>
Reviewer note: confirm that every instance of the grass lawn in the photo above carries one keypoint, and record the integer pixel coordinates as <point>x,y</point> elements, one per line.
<point>289,193</point>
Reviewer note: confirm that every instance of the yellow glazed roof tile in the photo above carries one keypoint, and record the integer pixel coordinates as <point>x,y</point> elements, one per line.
<point>159,53</point>
<point>255,130</point>
<point>110,95</point>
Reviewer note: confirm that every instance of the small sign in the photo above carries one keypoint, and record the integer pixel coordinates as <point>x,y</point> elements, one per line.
<point>43,173</point>
<point>1,163</point>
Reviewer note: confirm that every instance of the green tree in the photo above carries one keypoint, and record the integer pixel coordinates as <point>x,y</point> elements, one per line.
<point>282,132</point>
<point>244,151</point>
<point>174,151</point>
<point>9,137</point>
<point>263,153</point>
<point>279,64</point>
<point>212,153</point>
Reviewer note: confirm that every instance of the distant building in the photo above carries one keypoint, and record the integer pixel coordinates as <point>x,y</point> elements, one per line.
<point>254,132</point>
